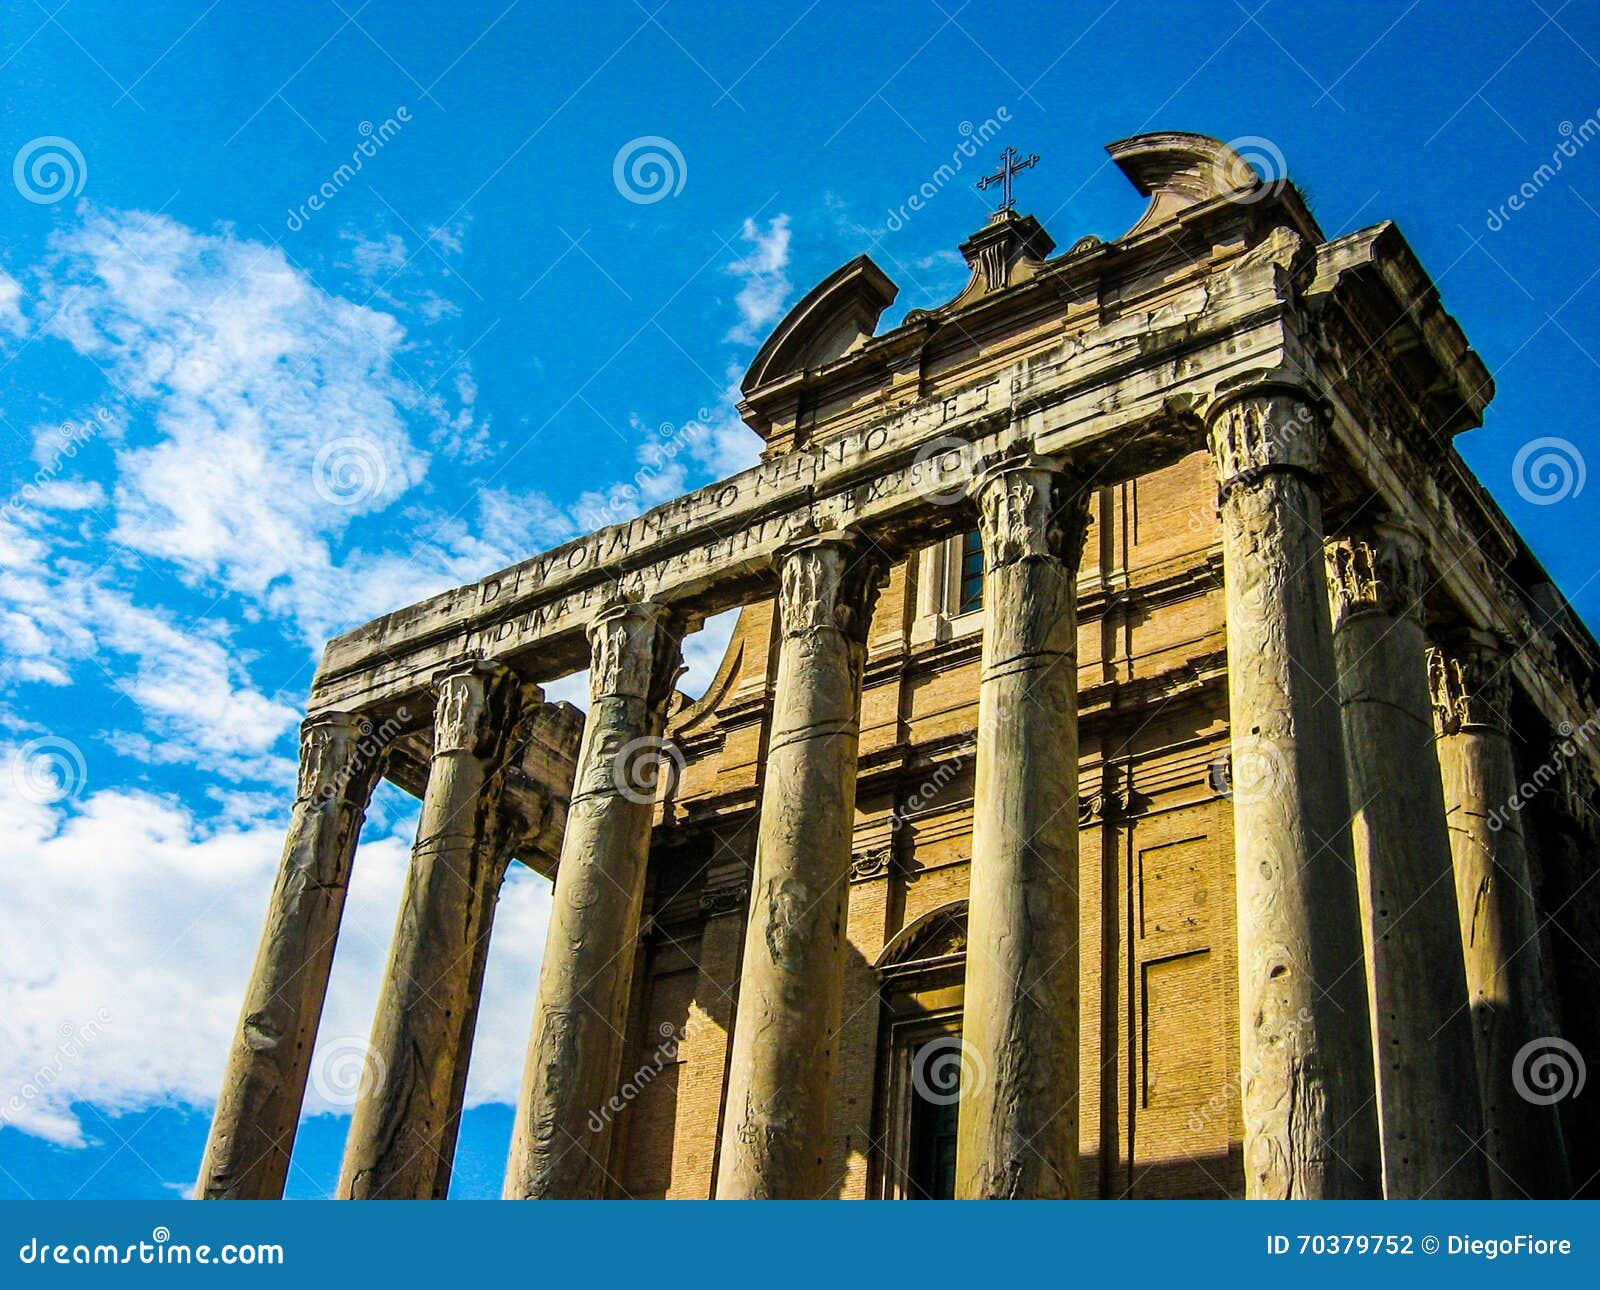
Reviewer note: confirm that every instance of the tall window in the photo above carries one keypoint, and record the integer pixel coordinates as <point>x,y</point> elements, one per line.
<point>931,1167</point>
<point>970,594</point>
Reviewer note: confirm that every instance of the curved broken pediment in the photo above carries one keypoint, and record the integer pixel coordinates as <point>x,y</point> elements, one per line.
<point>939,934</point>
<point>836,315</point>
<point>1177,170</point>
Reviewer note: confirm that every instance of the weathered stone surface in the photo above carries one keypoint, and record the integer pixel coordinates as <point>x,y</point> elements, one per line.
<point>775,1129</point>
<point>1428,1114</point>
<point>403,1134</point>
<point>1471,690</point>
<point>575,1054</point>
<point>1108,360</point>
<point>258,1110</point>
<point>1018,1128</point>
<point>1305,1052</point>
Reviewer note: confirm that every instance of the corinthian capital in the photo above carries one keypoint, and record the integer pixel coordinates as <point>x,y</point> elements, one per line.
<point>830,581</point>
<point>634,651</point>
<point>470,709</point>
<point>333,764</point>
<point>1029,509</point>
<point>1470,678</point>
<point>1378,571</point>
<point>1273,428</point>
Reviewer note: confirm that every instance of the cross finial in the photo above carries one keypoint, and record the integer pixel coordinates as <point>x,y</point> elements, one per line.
<point>1009,166</point>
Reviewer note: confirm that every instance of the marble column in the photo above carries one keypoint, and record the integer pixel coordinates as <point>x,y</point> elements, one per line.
<point>1471,683</point>
<point>1017,1133</point>
<point>561,1140</point>
<point>776,1123</point>
<point>1429,1122</point>
<point>403,1134</point>
<point>1305,1066</point>
<point>253,1129</point>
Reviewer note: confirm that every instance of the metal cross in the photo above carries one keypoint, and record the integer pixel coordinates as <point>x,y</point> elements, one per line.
<point>1009,166</point>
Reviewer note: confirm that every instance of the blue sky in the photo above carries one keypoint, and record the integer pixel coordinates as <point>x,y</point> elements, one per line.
<point>234,421</point>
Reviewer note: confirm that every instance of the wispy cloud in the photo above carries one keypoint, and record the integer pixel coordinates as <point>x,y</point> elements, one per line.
<point>763,270</point>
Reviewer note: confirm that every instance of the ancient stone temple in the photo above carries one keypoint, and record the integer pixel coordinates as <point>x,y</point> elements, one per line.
<point>1147,764</point>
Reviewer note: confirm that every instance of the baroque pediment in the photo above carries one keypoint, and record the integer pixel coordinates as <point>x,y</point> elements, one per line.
<point>836,316</point>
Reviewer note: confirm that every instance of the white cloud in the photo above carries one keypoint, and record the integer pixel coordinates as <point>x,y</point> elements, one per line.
<point>229,367</point>
<point>11,316</point>
<point>128,1012</point>
<point>762,268</point>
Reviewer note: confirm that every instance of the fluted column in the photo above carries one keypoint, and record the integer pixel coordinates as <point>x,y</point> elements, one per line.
<point>575,1054</point>
<point>258,1110</point>
<point>1429,1122</point>
<point>775,1136</point>
<point>1305,1052</point>
<point>403,1135</point>
<point>1017,1133</point>
<point>1471,683</point>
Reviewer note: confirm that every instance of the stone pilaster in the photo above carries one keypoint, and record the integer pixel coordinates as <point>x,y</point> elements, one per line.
<point>1429,1120</point>
<point>1018,1129</point>
<point>1305,1051</point>
<point>561,1140</point>
<point>1471,691</point>
<point>253,1130</point>
<point>403,1135</point>
<point>776,1130</point>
